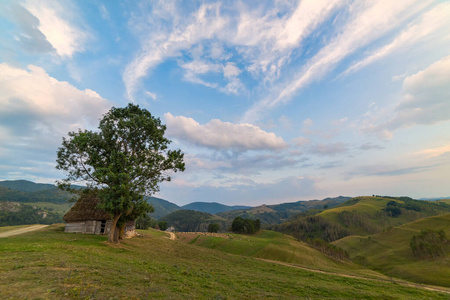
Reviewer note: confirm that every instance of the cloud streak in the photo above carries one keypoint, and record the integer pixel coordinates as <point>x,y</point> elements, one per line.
<point>365,25</point>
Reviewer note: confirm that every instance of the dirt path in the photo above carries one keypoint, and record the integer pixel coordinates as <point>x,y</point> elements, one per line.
<point>172,236</point>
<point>397,281</point>
<point>21,230</point>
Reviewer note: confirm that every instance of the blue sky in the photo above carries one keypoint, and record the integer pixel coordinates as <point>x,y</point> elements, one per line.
<point>271,101</point>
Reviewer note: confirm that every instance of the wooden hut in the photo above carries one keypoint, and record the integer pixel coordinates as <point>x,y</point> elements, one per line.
<point>84,217</point>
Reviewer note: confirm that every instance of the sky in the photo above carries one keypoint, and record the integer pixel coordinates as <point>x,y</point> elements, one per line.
<point>270,101</point>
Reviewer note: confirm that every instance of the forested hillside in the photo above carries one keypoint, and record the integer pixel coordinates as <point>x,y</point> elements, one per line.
<point>193,221</point>
<point>13,213</point>
<point>278,213</point>
<point>162,207</point>
<point>360,216</point>
<point>212,207</point>
<point>391,251</point>
<point>27,191</point>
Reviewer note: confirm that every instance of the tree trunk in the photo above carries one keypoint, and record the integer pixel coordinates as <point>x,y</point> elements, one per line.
<point>122,231</point>
<point>113,230</point>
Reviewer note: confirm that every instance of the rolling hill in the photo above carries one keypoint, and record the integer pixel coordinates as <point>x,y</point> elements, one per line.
<point>162,207</point>
<point>360,216</point>
<point>194,221</point>
<point>278,213</point>
<point>389,252</point>
<point>27,191</point>
<point>212,207</point>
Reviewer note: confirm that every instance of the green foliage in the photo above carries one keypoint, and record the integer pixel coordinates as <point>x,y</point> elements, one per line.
<point>428,244</point>
<point>315,227</point>
<point>328,249</point>
<point>213,227</point>
<point>145,222</point>
<point>193,221</point>
<point>162,225</point>
<point>247,226</point>
<point>124,160</point>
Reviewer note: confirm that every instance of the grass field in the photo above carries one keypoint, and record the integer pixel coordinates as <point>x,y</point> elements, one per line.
<point>276,246</point>
<point>51,264</point>
<point>10,228</point>
<point>389,252</point>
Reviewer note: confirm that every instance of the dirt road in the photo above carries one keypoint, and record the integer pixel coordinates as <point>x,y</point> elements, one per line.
<point>172,235</point>
<point>21,230</point>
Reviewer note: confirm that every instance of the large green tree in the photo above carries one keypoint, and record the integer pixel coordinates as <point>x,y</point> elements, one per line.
<point>124,161</point>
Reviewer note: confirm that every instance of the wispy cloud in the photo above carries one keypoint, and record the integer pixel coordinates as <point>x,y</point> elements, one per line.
<point>261,40</point>
<point>55,23</point>
<point>366,24</point>
<point>435,20</point>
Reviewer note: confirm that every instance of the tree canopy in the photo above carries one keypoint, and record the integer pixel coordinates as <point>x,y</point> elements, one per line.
<point>123,161</point>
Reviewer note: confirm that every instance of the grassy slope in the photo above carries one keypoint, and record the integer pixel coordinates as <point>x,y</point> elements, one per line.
<point>390,253</point>
<point>370,205</point>
<point>53,264</point>
<point>276,246</point>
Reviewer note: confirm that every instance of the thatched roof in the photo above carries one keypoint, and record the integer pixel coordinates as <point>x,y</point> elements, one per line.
<point>85,209</point>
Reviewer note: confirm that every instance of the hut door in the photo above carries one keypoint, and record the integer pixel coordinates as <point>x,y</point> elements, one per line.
<point>102,227</point>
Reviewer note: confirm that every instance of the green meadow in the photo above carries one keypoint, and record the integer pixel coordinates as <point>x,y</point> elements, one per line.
<point>51,264</point>
<point>389,252</point>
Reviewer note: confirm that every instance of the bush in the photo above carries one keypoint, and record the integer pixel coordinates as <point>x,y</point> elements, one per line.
<point>213,227</point>
<point>162,225</point>
<point>145,222</point>
<point>247,226</point>
<point>428,244</point>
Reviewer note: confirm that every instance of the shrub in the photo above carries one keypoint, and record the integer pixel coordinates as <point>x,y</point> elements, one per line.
<point>428,244</point>
<point>213,227</point>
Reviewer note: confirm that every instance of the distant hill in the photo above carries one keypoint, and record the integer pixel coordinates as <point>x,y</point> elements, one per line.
<point>389,252</point>
<point>360,216</point>
<point>27,191</point>
<point>212,207</point>
<point>26,186</point>
<point>162,207</point>
<point>194,221</point>
<point>278,213</point>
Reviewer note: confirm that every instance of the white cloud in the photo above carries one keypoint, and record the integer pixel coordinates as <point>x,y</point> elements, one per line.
<point>37,109</point>
<point>230,70</point>
<point>222,135</point>
<point>425,101</point>
<point>151,95</point>
<point>55,24</point>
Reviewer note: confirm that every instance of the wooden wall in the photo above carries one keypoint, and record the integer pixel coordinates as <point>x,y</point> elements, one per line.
<point>93,227</point>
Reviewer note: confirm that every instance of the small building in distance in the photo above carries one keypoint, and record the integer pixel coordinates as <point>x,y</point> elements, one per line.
<point>84,217</point>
